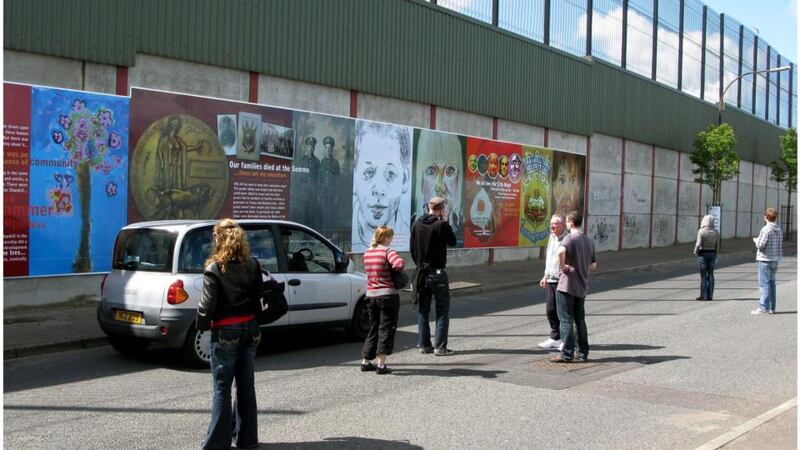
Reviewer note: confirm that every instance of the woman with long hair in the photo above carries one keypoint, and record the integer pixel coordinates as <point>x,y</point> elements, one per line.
<point>706,251</point>
<point>231,286</point>
<point>383,300</point>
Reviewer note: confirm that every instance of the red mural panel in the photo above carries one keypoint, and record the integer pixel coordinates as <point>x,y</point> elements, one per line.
<point>16,178</point>
<point>492,206</point>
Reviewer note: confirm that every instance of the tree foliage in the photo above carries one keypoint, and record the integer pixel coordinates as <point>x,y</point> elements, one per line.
<point>715,158</point>
<point>784,169</point>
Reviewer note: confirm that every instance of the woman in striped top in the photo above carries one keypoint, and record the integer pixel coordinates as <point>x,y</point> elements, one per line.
<point>383,300</point>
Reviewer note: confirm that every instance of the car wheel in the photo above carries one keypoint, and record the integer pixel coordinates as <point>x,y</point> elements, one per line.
<point>359,325</point>
<point>197,348</point>
<point>127,345</point>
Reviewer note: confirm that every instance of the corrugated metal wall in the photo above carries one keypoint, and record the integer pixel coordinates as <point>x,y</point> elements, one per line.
<point>405,49</point>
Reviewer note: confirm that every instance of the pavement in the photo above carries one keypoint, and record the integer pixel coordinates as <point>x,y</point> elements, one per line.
<point>40,330</point>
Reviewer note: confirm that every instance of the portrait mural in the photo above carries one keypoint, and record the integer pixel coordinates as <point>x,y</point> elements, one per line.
<point>439,171</point>
<point>567,183</point>
<point>381,183</point>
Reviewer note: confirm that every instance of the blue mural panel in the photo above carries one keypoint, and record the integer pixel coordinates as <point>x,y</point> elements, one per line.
<point>78,179</point>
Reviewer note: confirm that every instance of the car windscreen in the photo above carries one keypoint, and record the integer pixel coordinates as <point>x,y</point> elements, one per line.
<point>144,249</point>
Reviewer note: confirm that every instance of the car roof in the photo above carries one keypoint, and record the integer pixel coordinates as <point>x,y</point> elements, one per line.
<point>183,224</point>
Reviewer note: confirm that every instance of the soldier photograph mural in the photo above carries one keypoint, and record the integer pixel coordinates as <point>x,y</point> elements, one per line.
<point>322,181</point>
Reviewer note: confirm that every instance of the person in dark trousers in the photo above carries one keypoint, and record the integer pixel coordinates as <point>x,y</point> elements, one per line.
<point>430,236</point>
<point>576,259</point>
<point>549,282</point>
<point>231,288</point>
<point>383,300</point>
<point>705,248</point>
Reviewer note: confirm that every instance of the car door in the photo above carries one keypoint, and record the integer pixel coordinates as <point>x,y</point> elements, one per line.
<point>262,247</point>
<point>316,291</point>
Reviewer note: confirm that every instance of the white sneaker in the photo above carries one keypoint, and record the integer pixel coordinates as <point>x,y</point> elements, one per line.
<point>758,311</point>
<point>549,343</point>
<point>561,346</point>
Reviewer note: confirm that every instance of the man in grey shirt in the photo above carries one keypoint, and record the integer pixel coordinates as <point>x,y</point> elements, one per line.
<point>576,259</point>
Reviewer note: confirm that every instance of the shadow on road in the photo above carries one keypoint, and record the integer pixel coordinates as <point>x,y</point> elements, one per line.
<point>95,409</point>
<point>646,360</point>
<point>458,372</point>
<point>349,442</point>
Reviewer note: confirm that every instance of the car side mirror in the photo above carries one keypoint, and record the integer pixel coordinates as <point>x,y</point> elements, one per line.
<point>342,261</point>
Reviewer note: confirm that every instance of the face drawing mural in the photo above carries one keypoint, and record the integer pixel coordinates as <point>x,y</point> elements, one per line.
<point>440,173</point>
<point>515,167</point>
<point>503,166</point>
<point>567,183</point>
<point>381,179</point>
<point>494,165</point>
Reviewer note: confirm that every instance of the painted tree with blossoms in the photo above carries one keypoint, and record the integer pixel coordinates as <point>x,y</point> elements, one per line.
<point>90,136</point>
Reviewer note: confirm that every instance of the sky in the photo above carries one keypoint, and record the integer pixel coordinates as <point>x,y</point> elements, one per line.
<point>776,20</point>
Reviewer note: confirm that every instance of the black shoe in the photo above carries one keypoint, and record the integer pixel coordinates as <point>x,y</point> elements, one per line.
<point>444,351</point>
<point>425,350</point>
<point>368,367</point>
<point>581,359</point>
<point>560,359</point>
<point>700,299</point>
<point>383,370</point>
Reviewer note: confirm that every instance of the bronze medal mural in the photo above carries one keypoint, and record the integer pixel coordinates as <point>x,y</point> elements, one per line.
<point>200,158</point>
<point>179,170</point>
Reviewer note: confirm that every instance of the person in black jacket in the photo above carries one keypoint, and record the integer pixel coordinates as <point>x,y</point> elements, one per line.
<point>231,286</point>
<point>430,236</point>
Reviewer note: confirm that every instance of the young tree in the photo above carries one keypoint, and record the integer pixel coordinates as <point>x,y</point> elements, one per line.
<point>715,159</point>
<point>784,169</point>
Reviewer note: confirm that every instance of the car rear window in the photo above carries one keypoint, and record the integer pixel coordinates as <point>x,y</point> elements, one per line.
<point>195,250</point>
<point>144,249</point>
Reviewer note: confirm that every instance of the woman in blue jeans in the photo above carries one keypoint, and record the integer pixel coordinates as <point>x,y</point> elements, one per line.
<point>231,286</point>
<point>706,250</point>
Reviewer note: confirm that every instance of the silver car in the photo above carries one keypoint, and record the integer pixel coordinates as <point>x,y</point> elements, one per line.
<point>152,291</point>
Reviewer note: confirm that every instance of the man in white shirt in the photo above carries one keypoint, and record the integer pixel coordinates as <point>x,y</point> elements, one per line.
<point>550,280</point>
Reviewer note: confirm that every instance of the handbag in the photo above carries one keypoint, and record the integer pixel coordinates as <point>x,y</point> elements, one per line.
<point>272,302</point>
<point>399,279</point>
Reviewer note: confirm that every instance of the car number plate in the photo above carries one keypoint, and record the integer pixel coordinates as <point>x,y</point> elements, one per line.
<point>128,316</point>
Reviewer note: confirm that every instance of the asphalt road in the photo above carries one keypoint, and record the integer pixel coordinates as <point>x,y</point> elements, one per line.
<point>665,371</point>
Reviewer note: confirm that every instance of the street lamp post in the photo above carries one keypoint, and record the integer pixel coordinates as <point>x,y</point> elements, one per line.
<point>755,72</point>
<point>722,106</point>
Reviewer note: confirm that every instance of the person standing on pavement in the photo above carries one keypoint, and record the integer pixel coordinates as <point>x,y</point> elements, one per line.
<point>706,251</point>
<point>550,280</point>
<point>769,246</point>
<point>576,259</point>
<point>430,236</point>
<point>231,288</point>
<point>383,300</point>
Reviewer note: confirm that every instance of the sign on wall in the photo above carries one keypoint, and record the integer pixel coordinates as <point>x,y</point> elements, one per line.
<point>75,174</point>
<point>65,171</point>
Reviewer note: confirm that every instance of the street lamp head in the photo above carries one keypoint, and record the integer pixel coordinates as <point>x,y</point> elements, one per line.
<point>780,69</point>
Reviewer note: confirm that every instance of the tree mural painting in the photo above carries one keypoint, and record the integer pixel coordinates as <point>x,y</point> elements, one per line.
<point>90,134</point>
